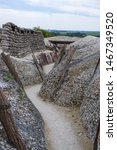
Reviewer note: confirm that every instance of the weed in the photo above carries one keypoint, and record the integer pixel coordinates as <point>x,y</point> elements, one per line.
<point>8,77</point>
<point>21,93</point>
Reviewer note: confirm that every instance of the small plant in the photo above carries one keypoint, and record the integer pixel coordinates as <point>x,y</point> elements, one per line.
<point>8,77</point>
<point>29,148</point>
<point>21,93</point>
<point>44,32</point>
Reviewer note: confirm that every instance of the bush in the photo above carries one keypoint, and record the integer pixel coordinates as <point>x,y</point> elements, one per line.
<point>44,32</point>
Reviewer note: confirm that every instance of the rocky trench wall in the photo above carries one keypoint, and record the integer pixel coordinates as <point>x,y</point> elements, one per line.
<point>80,86</point>
<point>27,70</point>
<point>46,58</point>
<point>0,37</point>
<point>20,41</point>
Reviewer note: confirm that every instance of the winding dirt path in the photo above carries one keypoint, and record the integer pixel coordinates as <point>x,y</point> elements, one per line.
<point>63,129</point>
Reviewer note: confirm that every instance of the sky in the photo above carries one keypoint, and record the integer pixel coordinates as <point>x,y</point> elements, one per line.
<point>81,15</point>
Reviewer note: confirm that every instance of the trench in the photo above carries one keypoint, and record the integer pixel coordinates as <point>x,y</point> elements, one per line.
<point>63,128</point>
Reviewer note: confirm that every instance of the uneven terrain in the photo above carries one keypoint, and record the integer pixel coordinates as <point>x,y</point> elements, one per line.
<point>54,93</point>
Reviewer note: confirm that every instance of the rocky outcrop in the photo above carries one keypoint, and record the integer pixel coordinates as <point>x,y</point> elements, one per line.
<point>20,41</point>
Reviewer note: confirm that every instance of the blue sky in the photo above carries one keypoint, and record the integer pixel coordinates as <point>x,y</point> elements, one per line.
<point>52,14</point>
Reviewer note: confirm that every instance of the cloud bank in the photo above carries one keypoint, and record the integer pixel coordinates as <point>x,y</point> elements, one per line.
<point>83,7</point>
<point>51,14</point>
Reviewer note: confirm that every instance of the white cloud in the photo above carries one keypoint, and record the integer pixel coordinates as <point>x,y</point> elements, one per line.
<point>87,7</point>
<point>52,3</point>
<point>21,18</point>
<point>31,19</point>
<point>81,10</point>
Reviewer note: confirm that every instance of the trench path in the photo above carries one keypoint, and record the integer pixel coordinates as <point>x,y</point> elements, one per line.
<point>63,129</point>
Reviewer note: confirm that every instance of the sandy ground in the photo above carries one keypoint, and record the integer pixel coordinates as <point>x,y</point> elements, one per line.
<point>63,129</point>
<point>47,68</point>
